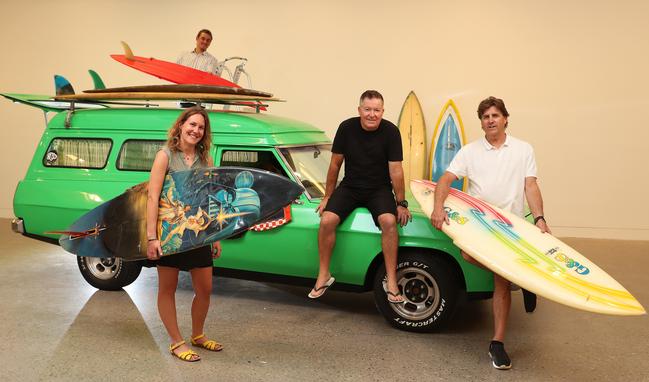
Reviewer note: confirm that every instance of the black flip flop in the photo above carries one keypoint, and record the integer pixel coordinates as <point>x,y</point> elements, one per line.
<point>318,289</point>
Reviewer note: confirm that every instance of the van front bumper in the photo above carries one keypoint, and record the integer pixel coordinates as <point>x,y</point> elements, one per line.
<point>17,225</point>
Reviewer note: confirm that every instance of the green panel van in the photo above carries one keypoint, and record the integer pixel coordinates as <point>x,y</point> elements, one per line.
<point>88,156</point>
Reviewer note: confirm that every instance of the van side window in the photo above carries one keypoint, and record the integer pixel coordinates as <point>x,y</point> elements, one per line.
<point>138,155</point>
<point>77,152</point>
<point>263,160</point>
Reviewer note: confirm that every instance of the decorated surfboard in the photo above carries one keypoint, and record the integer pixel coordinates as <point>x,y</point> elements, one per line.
<point>176,88</point>
<point>169,71</point>
<point>518,251</point>
<point>196,207</point>
<point>448,138</point>
<point>413,137</point>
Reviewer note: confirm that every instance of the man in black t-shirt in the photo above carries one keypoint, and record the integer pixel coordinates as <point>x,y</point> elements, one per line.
<point>371,149</point>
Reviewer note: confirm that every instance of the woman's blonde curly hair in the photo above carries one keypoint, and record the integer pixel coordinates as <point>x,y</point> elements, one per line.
<point>203,147</point>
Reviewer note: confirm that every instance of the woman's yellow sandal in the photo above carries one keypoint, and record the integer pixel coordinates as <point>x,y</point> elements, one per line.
<point>209,344</point>
<point>187,355</point>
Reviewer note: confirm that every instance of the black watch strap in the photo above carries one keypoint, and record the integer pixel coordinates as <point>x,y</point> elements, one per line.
<point>540,217</point>
<point>403,203</point>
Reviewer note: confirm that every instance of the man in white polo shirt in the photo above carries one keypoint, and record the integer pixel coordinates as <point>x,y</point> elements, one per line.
<point>198,58</point>
<point>502,171</point>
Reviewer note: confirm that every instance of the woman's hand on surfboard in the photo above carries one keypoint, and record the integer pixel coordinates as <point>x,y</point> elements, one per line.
<point>153,250</point>
<point>321,207</point>
<point>438,218</point>
<point>216,249</point>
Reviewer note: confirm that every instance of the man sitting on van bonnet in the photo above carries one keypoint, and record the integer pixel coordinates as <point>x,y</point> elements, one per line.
<point>370,147</point>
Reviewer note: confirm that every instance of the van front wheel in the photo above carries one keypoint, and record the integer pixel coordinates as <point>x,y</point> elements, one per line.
<point>109,273</point>
<point>430,288</point>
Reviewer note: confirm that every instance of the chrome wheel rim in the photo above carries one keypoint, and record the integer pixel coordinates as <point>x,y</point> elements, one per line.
<point>420,291</point>
<point>103,268</point>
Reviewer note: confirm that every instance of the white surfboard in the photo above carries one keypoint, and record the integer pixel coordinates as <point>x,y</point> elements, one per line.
<point>521,253</point>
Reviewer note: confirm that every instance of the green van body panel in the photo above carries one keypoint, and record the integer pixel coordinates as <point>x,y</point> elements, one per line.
<point>51,198</point>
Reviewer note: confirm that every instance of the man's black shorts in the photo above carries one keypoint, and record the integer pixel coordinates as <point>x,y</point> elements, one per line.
<point>378,200</point>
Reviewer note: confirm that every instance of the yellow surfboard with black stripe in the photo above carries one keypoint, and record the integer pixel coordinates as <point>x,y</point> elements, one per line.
<point>413,139</point>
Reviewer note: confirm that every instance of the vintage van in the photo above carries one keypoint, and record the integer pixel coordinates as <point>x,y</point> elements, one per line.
<point>88,156</point>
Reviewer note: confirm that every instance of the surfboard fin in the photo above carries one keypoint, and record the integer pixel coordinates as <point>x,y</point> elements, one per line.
<point>96,80</point>
<point>62,86</point>
<point>128,53</point>
<point>529,300</point>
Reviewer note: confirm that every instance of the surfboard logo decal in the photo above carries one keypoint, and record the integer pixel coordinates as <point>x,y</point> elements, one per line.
<point>455,216</point>
<point>562,258</point>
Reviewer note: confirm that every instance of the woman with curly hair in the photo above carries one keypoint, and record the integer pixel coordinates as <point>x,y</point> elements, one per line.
<point>187,148</point>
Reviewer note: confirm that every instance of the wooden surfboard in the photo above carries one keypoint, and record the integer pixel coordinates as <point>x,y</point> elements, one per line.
<point>181,88</point>
<point>448,138</point>
<point>197,207</point>
<point>161,96</point>
<point>413,137</point>
<point>518,251</point>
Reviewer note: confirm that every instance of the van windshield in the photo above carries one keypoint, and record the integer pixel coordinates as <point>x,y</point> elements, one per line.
<point>310,165</point>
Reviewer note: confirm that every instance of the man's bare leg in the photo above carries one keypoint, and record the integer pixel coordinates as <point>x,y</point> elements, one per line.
<point>390,244</point>
<point>326,242</point>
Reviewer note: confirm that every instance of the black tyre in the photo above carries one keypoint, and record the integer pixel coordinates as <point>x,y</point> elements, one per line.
<point>110,273</point>
<point>430,287</point>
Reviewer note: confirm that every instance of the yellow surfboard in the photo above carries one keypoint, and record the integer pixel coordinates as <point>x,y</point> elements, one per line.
<point>518,251</point>
<point>448,138</point>
<point>413,137</point>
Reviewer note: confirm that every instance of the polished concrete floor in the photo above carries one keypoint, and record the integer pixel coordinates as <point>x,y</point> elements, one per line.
<point>55,327</point>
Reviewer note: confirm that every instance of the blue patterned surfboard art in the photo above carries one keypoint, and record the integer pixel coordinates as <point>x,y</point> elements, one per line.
<point>197,207</point>
<point>447,141</point>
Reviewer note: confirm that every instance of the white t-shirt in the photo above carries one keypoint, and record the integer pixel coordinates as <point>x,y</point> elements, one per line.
<point>496,175</point>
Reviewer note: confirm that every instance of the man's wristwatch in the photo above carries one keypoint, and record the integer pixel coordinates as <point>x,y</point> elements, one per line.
<point>540,217</point>
<point>403,203</point>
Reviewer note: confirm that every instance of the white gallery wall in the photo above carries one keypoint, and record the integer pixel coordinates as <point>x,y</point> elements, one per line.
<point>574,76</point>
